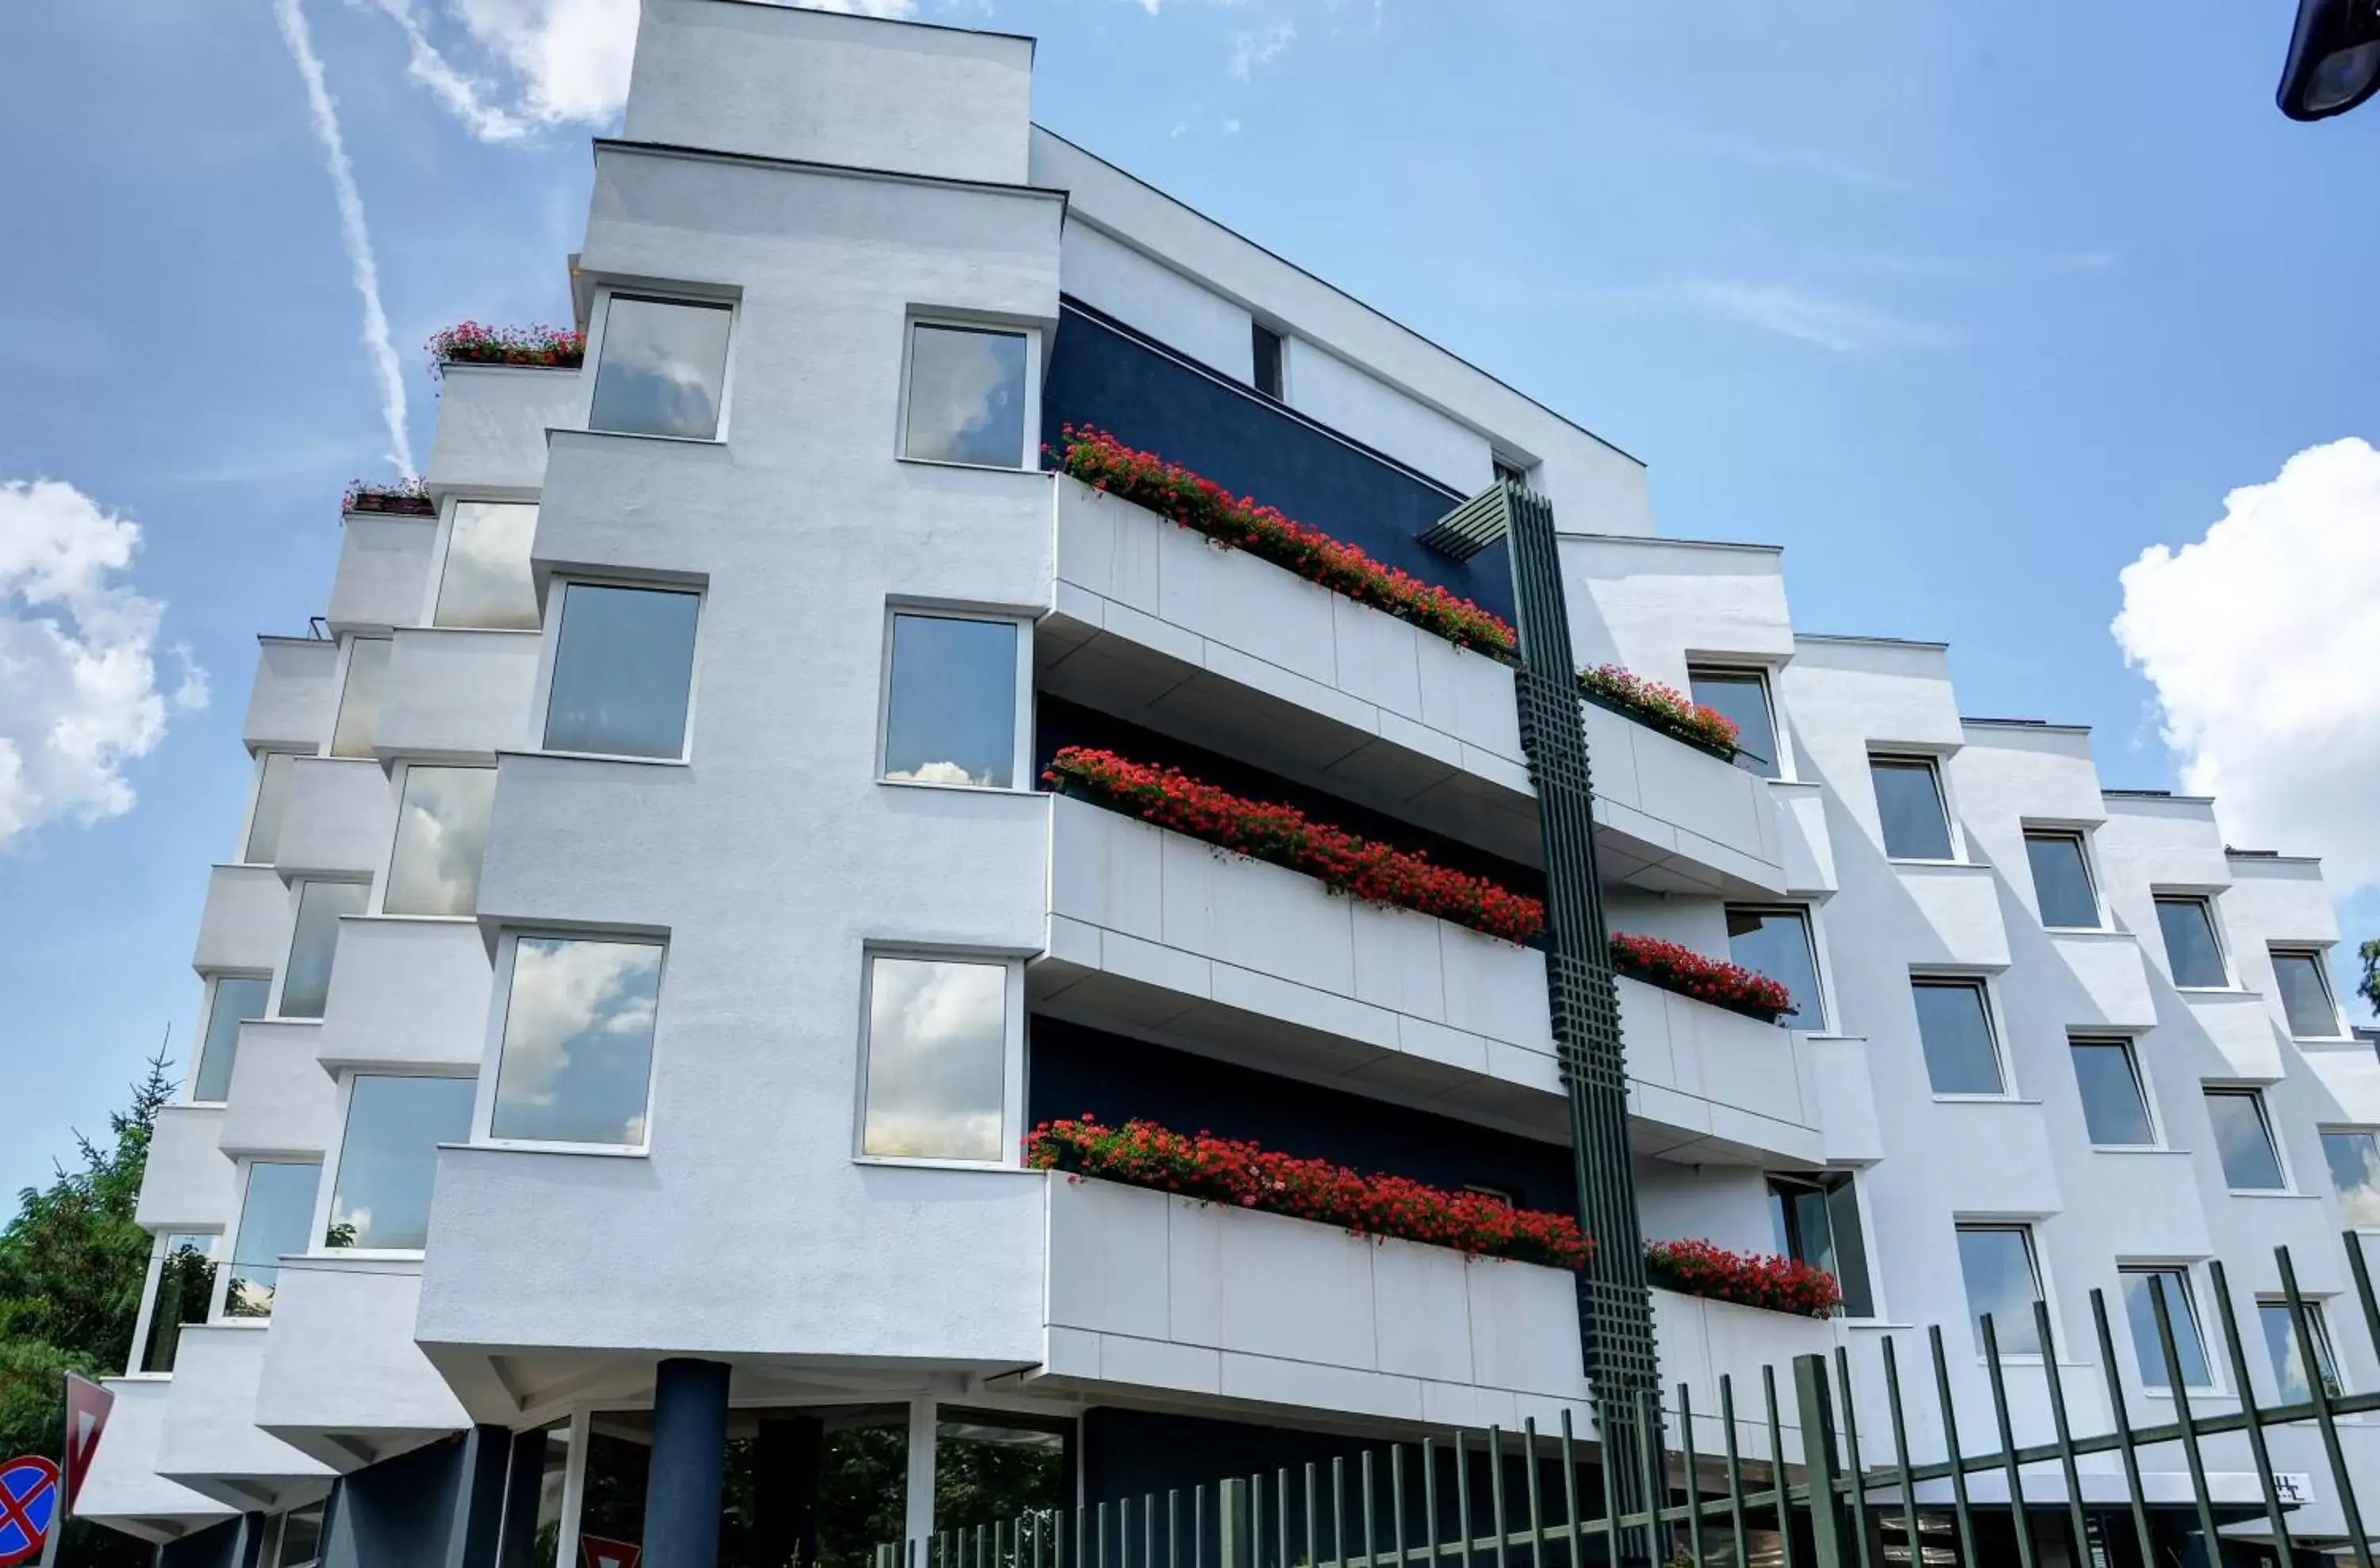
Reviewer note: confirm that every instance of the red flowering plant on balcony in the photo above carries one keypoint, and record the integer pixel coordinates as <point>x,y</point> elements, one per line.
<point>1675,966</point>
<point>1748,1278</point>
<point>476,342</point>
<point>1286,836</point>
<point>1143,479</point>
<point>1657,706</point>
<point>1143,1154</point>
<point>407,497</point>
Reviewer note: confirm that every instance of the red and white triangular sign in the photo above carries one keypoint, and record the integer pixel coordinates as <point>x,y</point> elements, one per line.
<point>87,1408</point>
<point>602,1553</point>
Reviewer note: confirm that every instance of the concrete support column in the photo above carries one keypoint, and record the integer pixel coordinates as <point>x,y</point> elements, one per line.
<point>921,1469</point>
<point>689,1457</point>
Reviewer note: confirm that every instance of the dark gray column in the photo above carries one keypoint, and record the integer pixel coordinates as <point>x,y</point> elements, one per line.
<point>689,1457</point>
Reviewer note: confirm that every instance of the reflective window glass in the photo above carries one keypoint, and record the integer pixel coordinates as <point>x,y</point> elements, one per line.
<point>951,709</point>
<point>622,671</point>
<point>966,395</point>
<point>2181,1319</point>
<point>576,1065</point>
<point>2114,1107</point>
<point>442,837</point>
<point>271,796</point>
<point>661,368</point>
<point>485,580</point>
<point>2354,1160</point>
<point>388,1157</point>
<point>276,1216</point>
<point>360,699</point>
<point>936,1059</point>
<point>232,999</point>
<point>1909,803</point>
<point>1954,1027</point>
<point>2243,1138</point>
<point>313,945</point>
<point>2190,950</point>
<point>1777,944</point>
<point>1741,696</point>
<point>2061,880</point>
<point>2305,995</point>
<point>186,1285</point>
<point>1997,1264</point>
<point>2281,1344</point>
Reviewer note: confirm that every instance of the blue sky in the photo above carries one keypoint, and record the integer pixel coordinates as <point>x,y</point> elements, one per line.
<point>1965,306</point>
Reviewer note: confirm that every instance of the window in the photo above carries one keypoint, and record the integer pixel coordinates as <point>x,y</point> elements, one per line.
<point>1509,470</point>
<point>2141,1288</point>
<point>231,1000</point>
<point>2190,950</point>
<point>2061,880</point>
<point>389,1156</point>
<point>272,800</point>
<point>1954,1027</point>
<point>184,1287</point>
<point>442,836</point>
<point>276,1216</point>
<point>1265,349</point>
<point>2115,1101</point>
<point>967,395</point>
<point>1909,805</point>
<point>622,671</point>
<point>1777,944</point>
<point>1741,696</point>
<point>953,694</point>
<point>2289,1361</point>
<point>486,579</point>
<point>301,1540</point>
<point>576,1058</point>
<point>1816,1222</point>
<point>2243,1138</point>
<point>936,1080</point>
<point>351,736</point>
<point>1997,1263</point>
<point>2354,1159</point>
<point>2305,995</point>
<point>306,978</point>
<point>662,369</point>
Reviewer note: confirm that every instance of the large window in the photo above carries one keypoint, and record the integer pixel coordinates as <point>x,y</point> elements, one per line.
<point>1909,805</point>
<point>2191,951</point>
<point>314,944</point>
<point>389,1156</point>
<point>1816,1221</point>
<point>2243,1138</point>
<point>1777,944</point>
<point>184,1287</point>
<point>622,671</point>
<point>442,837</point>
<point>276,1215</point>
<point>486,579</point>
<point>662,369</point>
<point>576,1059</point>
<point>272,800</point>
<point>2305,993</point>
<point>2061,880</point>
<point>351,734</point>
<point>298,1536</point>
<point>2115,1101</point>
<point>1741,696</point>
<point>1954,1027</point>
<point>1265,360</point>
<point>1997,1263</point>
<point>937,1080</point>
<point>2282,1344</point>
<point>967,397</point>
<point>231,1000</point>
<point>951,701</point>
<point>2354,1155</point>
<point>2141,1287</point>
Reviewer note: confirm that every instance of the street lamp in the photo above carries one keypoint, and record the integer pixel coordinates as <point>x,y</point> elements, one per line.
<point>2334,60</point>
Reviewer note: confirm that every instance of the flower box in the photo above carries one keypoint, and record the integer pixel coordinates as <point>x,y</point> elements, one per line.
<point>1284,836</point>
<point>405,498</point>
<point>1659,707</point>
<point>476,342</point>
<point>1215,1170</point>
<point>1748,1279</point>
<point>1239,523</point>
<point>1675,966</point>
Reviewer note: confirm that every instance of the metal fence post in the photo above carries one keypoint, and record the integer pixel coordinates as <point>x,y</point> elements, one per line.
<point>1232,1534</point>
<point>1818,1460</point>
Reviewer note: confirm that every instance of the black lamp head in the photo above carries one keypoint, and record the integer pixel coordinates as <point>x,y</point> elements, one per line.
<point>2334,60</point>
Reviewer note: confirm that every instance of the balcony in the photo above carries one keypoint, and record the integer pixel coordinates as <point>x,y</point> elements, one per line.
<point>2114,978</point>
<point>343,1380</point>
<point>189,1182</point>
<point>2240,1029</point>
<point>1148,1290</point>
<point>491,425</point>
<point>383,574</point>
<point>296,696</point>
<point>1958,915</point>
<point>1702,1340</point>
<point>2135,1189</point>
<point>281,1103</point>
<point>457,696</point>
<point>245,925</point>
<point>340,816</point>
<point>1805,847</point>
<point>407,995</point>
<point>210,1441</point>
<point>1709,1087</point>
<point>1154,933</point>
<point>122,1489</point>
<point>1673,818</point>
<point>1993,1157</point>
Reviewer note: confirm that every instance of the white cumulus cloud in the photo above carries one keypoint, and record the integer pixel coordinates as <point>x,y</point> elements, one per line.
<point>2263,640</point>
<point>78,659</point>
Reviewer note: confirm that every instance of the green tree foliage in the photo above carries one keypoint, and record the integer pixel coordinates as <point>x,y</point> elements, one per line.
<point>72,1263</point>
<point>2369,987</point>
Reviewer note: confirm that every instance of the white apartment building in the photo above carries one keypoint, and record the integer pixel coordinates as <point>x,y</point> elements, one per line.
<point>651,941</point>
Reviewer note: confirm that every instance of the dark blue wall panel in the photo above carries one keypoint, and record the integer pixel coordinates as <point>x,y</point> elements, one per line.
<point>1100,375</point>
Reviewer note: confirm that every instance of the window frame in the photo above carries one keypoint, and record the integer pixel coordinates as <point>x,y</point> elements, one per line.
<point>557,597</point>
<point>483,1103</point>
<point>1783,760</point>
<point>1982,984</point>
<point>1809,914</point>
<point>1826,1185</point>
<point>1932,763</point>
<point>705,296</point>
<point>297,887</point>
<point>335,1149</point>
<point>2081,838</point>
<point>399,775</point>
<point>2129,1045</point>
<point>2255,1095</point>
<point>2274,952</point>
<point>225,1264</point>
<point>212,978</point>
<point>2326,1348</point>
<point>1020,767</point>
<point>260,762</point>
<point>444,546</point>
<point>2027,1229</point>
<point>348,642</point>
<point>2205,903</point>
<point>1259,330</point>
<point>144,1323</point>
<point>2330,1169</point>
<point>1012,1111</point>
<point>956,320</point>
<point>2141,1268</point>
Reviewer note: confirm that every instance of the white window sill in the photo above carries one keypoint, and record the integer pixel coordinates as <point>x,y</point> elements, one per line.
<point>147,1377</point>
<point>1983,1100</point>
<point>916,1164</point>
<point>1927,860</point>
<point>2165,1394</point>
<point>2324,1039</point>
<point>2134,1148</point>
<point>264,1323</point>
<point>364,1255</point>
<point>424,920</point>
<point>484,631</point>
<point>2081,930</point>
<point>648,435</point>
<point>2273,1193</point>
<point>525,1146</point>
<point>958,788</point>
<point>2212,990</point>
<point>677,761</point>
<point>972,467</point>
<point>315,1023</point>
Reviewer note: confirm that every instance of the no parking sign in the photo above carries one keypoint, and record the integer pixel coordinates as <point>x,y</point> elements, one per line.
<point>29,1506</point>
